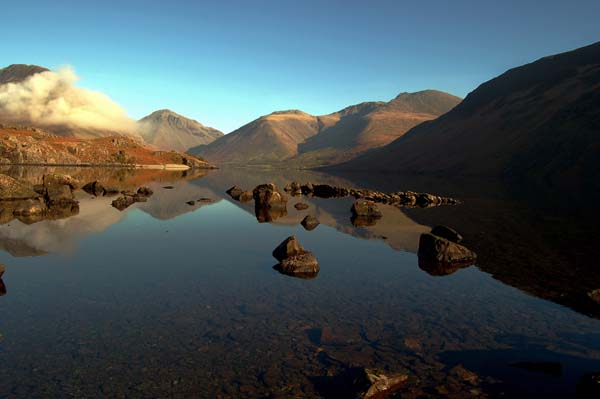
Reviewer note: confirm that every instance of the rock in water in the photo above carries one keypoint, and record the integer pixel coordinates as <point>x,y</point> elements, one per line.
<point>293,188</point>
<point>448,233</point>
<point>94,188</point>
<point>11,189</point>
<point>294,259</point>
<point>235,192</point>
<point>438,249</point>
<point>246,196</point>
<point>301,206</point>
<point>123,202</point>
<point>268,196</point>
<point>58,194</point>
<point>61,180</point>
<point>310,222</point>
<point>366,208</point>
<point>288,248</point>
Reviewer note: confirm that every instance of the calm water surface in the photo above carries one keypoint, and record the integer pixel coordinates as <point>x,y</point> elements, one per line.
<point>166,299</point>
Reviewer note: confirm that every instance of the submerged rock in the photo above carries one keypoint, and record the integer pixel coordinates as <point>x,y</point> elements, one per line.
<point>310,222</point>
<point>294,259</point>
<point>366,208</point>
<point>94,188</point>
<point>11,189</point>
<point>438,249</point>
<point>301,206</point>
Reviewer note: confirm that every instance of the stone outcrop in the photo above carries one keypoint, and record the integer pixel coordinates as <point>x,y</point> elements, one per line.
<point>294,259</point>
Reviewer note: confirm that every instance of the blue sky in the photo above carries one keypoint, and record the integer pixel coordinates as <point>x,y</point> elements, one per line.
<point>228,62</point>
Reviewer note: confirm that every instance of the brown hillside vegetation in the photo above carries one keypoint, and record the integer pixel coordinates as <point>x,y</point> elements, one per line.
<point>540,121</point>
<point>35,147</point>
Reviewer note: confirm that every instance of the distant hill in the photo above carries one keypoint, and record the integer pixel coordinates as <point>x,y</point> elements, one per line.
<point>297,138</point>
<point>170,131</point>
<point>270,138</point>
<point>539,121</point>
<point>16,73</point>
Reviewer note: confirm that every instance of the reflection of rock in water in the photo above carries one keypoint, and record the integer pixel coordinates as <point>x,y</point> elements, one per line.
<point>2,288</point>
<point>363,221</point>
<point>441,269</point>
<point>304,276</point>
<point>265,215</point>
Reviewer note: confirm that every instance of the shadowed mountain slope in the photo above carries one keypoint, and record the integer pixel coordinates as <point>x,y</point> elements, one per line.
<point>540,122</point>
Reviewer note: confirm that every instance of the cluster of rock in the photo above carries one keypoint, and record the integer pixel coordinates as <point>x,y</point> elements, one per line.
<point>53,199</point>
<point>440,252</point>
<point>400,198</point>
<point>294,260</point>
<point>129,198</point>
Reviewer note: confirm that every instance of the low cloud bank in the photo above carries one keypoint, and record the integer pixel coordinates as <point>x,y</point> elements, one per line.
<point>53,99</point>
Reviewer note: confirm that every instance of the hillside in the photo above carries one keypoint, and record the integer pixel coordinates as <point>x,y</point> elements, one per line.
<point>168,130</point>
<point>540,122</point>
<point>299,139</point>
<point>270,138</point>
<point>30,146</point>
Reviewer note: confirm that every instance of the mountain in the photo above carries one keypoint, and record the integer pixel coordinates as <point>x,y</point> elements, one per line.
<point>170,131</point>
<point>306,140</point>
<point>540,121</point>
<point>16,73</point>
<point>270,138</point>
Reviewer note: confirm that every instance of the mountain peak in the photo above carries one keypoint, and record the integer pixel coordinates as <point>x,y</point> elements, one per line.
<point>19,72</point>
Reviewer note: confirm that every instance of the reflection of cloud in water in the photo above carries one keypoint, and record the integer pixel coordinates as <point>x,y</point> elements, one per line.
<point>95,216</point>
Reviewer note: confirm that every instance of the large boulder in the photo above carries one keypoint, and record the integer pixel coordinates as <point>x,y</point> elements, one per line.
<point>58,193</point>
<point>294,259</point>
<point>310,222</point>
<point>433,248</point>
<point>56,179</point>
<point>268,196</point>
<point>11,189</point>
<point>366,208</point>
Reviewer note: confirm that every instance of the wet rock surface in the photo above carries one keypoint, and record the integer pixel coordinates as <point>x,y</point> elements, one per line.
<point>439,250</point>
<point>310,222</point>
<point>129,198</point>
<point>294,259</point>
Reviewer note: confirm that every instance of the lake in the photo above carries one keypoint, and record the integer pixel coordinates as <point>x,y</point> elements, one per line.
<point>167,299</point>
